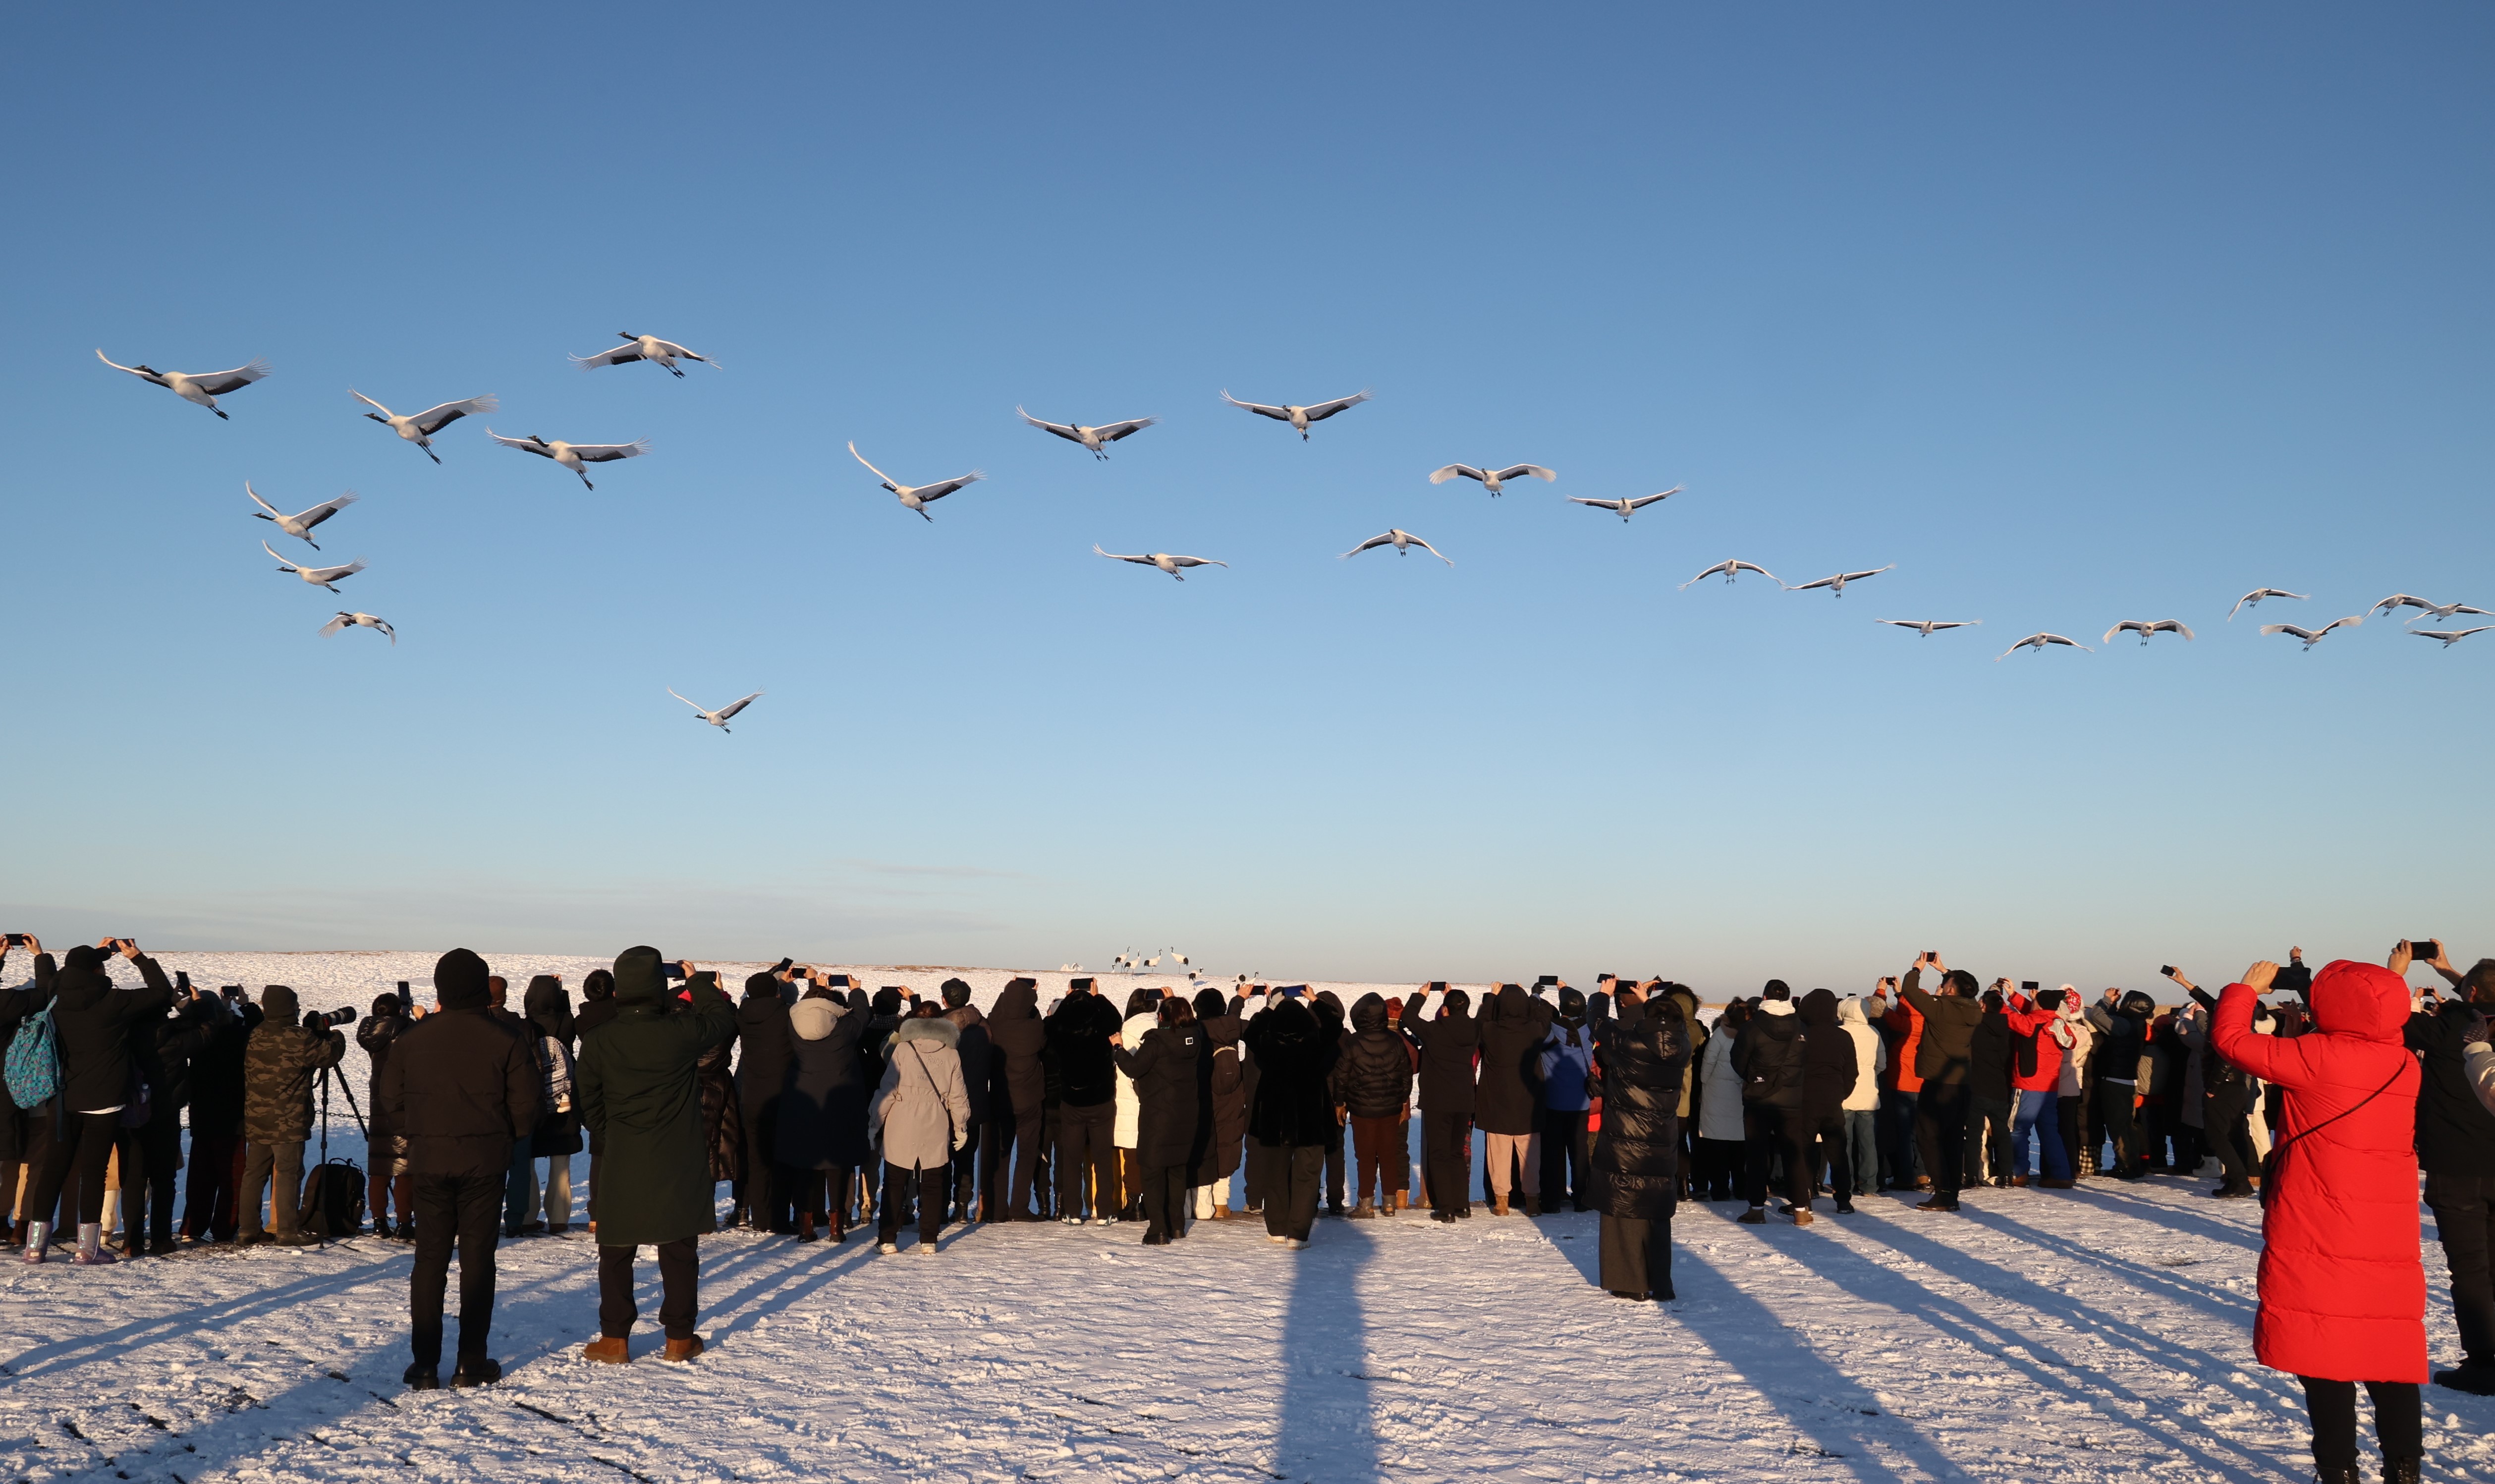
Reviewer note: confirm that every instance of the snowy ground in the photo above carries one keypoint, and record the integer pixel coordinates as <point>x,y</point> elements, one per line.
<point>2102,1334</point>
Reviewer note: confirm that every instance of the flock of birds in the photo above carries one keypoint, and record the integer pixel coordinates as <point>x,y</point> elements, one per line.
<point>418,428</point>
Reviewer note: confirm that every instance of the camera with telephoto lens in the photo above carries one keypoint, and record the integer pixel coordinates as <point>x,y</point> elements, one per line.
<point>322,1020</point>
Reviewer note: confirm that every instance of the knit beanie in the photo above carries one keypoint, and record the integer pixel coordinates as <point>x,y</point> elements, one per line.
<point>459,981</point>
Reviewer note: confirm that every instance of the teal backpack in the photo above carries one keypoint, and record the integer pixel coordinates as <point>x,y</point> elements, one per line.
<point>34,1069</point>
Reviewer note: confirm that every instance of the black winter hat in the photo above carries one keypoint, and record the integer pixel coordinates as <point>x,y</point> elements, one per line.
<point>1777,989</point>
<point>85,955</point>
<point>1572,1001</point>
<point>459,981</point>
<point>956,994</point>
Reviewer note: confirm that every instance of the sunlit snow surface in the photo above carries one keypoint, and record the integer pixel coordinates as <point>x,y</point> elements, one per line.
<point>2102,1334</point>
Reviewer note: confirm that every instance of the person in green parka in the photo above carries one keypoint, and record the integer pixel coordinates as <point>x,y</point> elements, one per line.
<point>638,1092</point>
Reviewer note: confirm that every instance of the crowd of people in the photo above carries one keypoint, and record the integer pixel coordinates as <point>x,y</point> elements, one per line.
<point>825,1108</point>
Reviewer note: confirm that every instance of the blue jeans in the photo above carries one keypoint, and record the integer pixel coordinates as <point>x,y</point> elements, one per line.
<point>1863,1145</point>
<point>2041,1112</point>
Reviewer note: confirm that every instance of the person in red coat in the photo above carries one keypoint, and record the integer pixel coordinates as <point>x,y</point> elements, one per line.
<point>2342,1284</point>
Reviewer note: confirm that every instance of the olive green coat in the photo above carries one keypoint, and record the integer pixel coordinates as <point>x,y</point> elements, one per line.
<point>638,1092</point>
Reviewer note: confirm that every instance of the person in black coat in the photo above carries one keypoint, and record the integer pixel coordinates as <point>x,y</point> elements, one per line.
<point>2455,1140</point>
<point>1293,1115</point>
<point>462,1089</point>
<point>91,1026</point>
<point>19,1125</point>
<point>151,1153</point>
<point>1373,1084</point>
<point>761,1070</point>
<point>386,1150</point>
<point>1448,1045</point>
<point>1327,1006</point>
<point>551,1034</point>
<point>1507,1101</point>
<point>213,1197</point>
<point>1768,1056</point>
<point>974,1164</point>
<point>821,1135</point>
<point>1018,1041</point>
<point>597,1008</point>
<point>1172,1070</point>
<point>1830,1068</point>
<point>1229,1103</point>
<point>1078,1041</point>
<point>1991,1058</point>
<point>1638,1073</point>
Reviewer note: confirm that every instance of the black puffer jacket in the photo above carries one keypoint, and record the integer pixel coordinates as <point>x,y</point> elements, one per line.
<point>1768,1054</point>
<point>92,1023</point>
<point>1078,1038</point>
<point>1992,1053</point>
<point>1448,1045</point>
<point>1294,1060</point>
<point>1173,1077</point>
<point>1636,1155</point>
<point>1514,1025</point>
<point>1019,1038</point>
<point>1829,1066</point>
<point>1373,1078</point>
<point>761,1044</point>
<point>216,1069</point>
<point>1229,1087</point>
<point>460,1089</point>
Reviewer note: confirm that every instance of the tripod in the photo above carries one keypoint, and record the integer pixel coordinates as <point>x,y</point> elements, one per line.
<point>320,1189</point>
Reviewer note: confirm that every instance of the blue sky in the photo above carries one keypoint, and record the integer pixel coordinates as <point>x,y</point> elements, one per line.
<point>2075,315</point>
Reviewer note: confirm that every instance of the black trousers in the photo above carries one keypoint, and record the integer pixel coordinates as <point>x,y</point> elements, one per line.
<point>931,1183</point>
<point>1446,1148</point>
<point>1334,1173</point>
<point>2067,1124</point>
<point>679,1280</point>
<point>150,1158</point>
<point>1940,1135</point>
<point>83,1144</point>
<point>1021,1139</point>
<point>1823,1147</point>
<point>1567,1157</point>
<point>467,1209</point>
<point>1083,1143</point>
<point>977,1151</point>
<point>1165,1198</point>
<point>1290,1176</point>
<point>2224,1120</point>
<point>1987,1133</point>
<point>2114,1117</point>
<point>2464,1214</point>
<point>765,1190</point>
<point>1774,1132</point>
<point>2398,1421</point>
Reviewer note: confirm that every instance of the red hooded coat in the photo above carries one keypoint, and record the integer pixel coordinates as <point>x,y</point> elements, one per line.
<point>2342,1285</point>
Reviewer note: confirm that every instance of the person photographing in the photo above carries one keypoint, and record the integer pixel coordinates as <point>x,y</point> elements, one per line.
<point>2341,1283</point>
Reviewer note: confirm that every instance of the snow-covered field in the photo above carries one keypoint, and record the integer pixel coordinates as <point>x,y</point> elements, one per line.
<point>2099,1334</point>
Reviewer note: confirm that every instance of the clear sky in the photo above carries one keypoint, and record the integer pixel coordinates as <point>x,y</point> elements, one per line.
<point>2075,314</point>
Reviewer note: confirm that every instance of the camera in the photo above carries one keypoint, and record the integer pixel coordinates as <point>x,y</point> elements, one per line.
<point>673,969</point>
<point>323,1019</point>
<point>2425,950</point>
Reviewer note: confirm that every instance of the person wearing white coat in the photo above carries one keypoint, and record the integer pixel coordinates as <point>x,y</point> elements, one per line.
<point>1126,1133</point>
<point>1863,1105</point>
<point>1721,1136</point>
<point>2077,1039</point>
<point>919,1120</point>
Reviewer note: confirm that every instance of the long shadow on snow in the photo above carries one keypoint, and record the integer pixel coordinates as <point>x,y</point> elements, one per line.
<point>1327,1430</point>
<point>2160,1213</point>
<point>2222,1305</point>
<point>1830,1410</point>
<point>113,1344</point>
<point>1857,1274</point>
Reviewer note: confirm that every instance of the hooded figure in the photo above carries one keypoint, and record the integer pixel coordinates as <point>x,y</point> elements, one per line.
<point>1567,1068</point>
<point>1293,1116</point>
<point>278,1066</point>
<point>99,1080</point>
<point>761,1070</point>
<point>642,1089</point>
<point>1171,1071</point>
<point>822,1104</point>
<point>2342,1287</point>
<point>1447,1045</point>
<point>551,1033</point>
<point>1830,1070</point>
<point>1222,1031</point>
<point>920,1117</point>
<point>386,1146</point>
<point>1769,1055</point>
<point>1508,1097</point>
<point>1018,1041</point>
<point>975,1175</point>
<point>1637,1155</point>
<point>1862,1106</point>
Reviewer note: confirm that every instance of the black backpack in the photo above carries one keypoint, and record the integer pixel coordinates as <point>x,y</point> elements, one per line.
<point>333,1199</point>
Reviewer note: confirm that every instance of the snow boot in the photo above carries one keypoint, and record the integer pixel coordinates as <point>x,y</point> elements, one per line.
<point>2401,1470</point>
<point>1499,1205</point>
<point>476,1370</point>
<point>1756,1216</point>
<point>2472,1376</point>
<point>39,1236</point>
<point>420,1376</point>
<point>1532,1206</point>
<point>683,1350</point>
<point>1364,1212</point>
<point>90,1246</point>
<point>1801,1216</point>
<point>613,1349</point>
